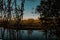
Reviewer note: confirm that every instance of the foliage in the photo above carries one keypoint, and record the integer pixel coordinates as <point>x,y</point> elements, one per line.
<point>48,8</point>
<point>31,21</point>
<point>49,11</point>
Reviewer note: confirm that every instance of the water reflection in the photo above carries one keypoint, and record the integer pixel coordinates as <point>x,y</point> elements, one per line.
<point>26,34</point>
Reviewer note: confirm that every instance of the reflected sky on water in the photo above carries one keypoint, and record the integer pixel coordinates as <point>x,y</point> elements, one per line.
<point>35,34</point>
<point>25,34</point>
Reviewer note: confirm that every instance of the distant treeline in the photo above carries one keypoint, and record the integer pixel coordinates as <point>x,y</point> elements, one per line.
<point>31,21</point>
<point>26,21</point>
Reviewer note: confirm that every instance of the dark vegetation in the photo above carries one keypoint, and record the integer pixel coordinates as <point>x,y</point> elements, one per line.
<point>49,11</point>
<point>50,14</point>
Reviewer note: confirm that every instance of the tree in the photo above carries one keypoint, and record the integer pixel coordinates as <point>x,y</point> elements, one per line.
<point>49,10</point>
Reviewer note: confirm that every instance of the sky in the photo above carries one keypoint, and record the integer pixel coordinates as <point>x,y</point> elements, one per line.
<point>29,8</point>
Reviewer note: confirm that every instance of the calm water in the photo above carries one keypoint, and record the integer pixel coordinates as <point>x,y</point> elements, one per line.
<point>26,34</point>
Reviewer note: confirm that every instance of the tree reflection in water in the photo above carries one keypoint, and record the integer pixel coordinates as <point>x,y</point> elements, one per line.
<point>29,34</point>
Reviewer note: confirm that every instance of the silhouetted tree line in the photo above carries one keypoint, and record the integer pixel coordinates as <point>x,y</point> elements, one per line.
<point>49,11</point>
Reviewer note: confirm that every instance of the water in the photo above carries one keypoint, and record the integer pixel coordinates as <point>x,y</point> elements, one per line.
<point>26,35</point>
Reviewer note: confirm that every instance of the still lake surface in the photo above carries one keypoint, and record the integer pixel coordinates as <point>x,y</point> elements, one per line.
<point>26,34</point>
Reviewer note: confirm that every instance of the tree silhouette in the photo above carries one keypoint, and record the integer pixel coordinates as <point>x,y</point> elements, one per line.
<point>49,11</point>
